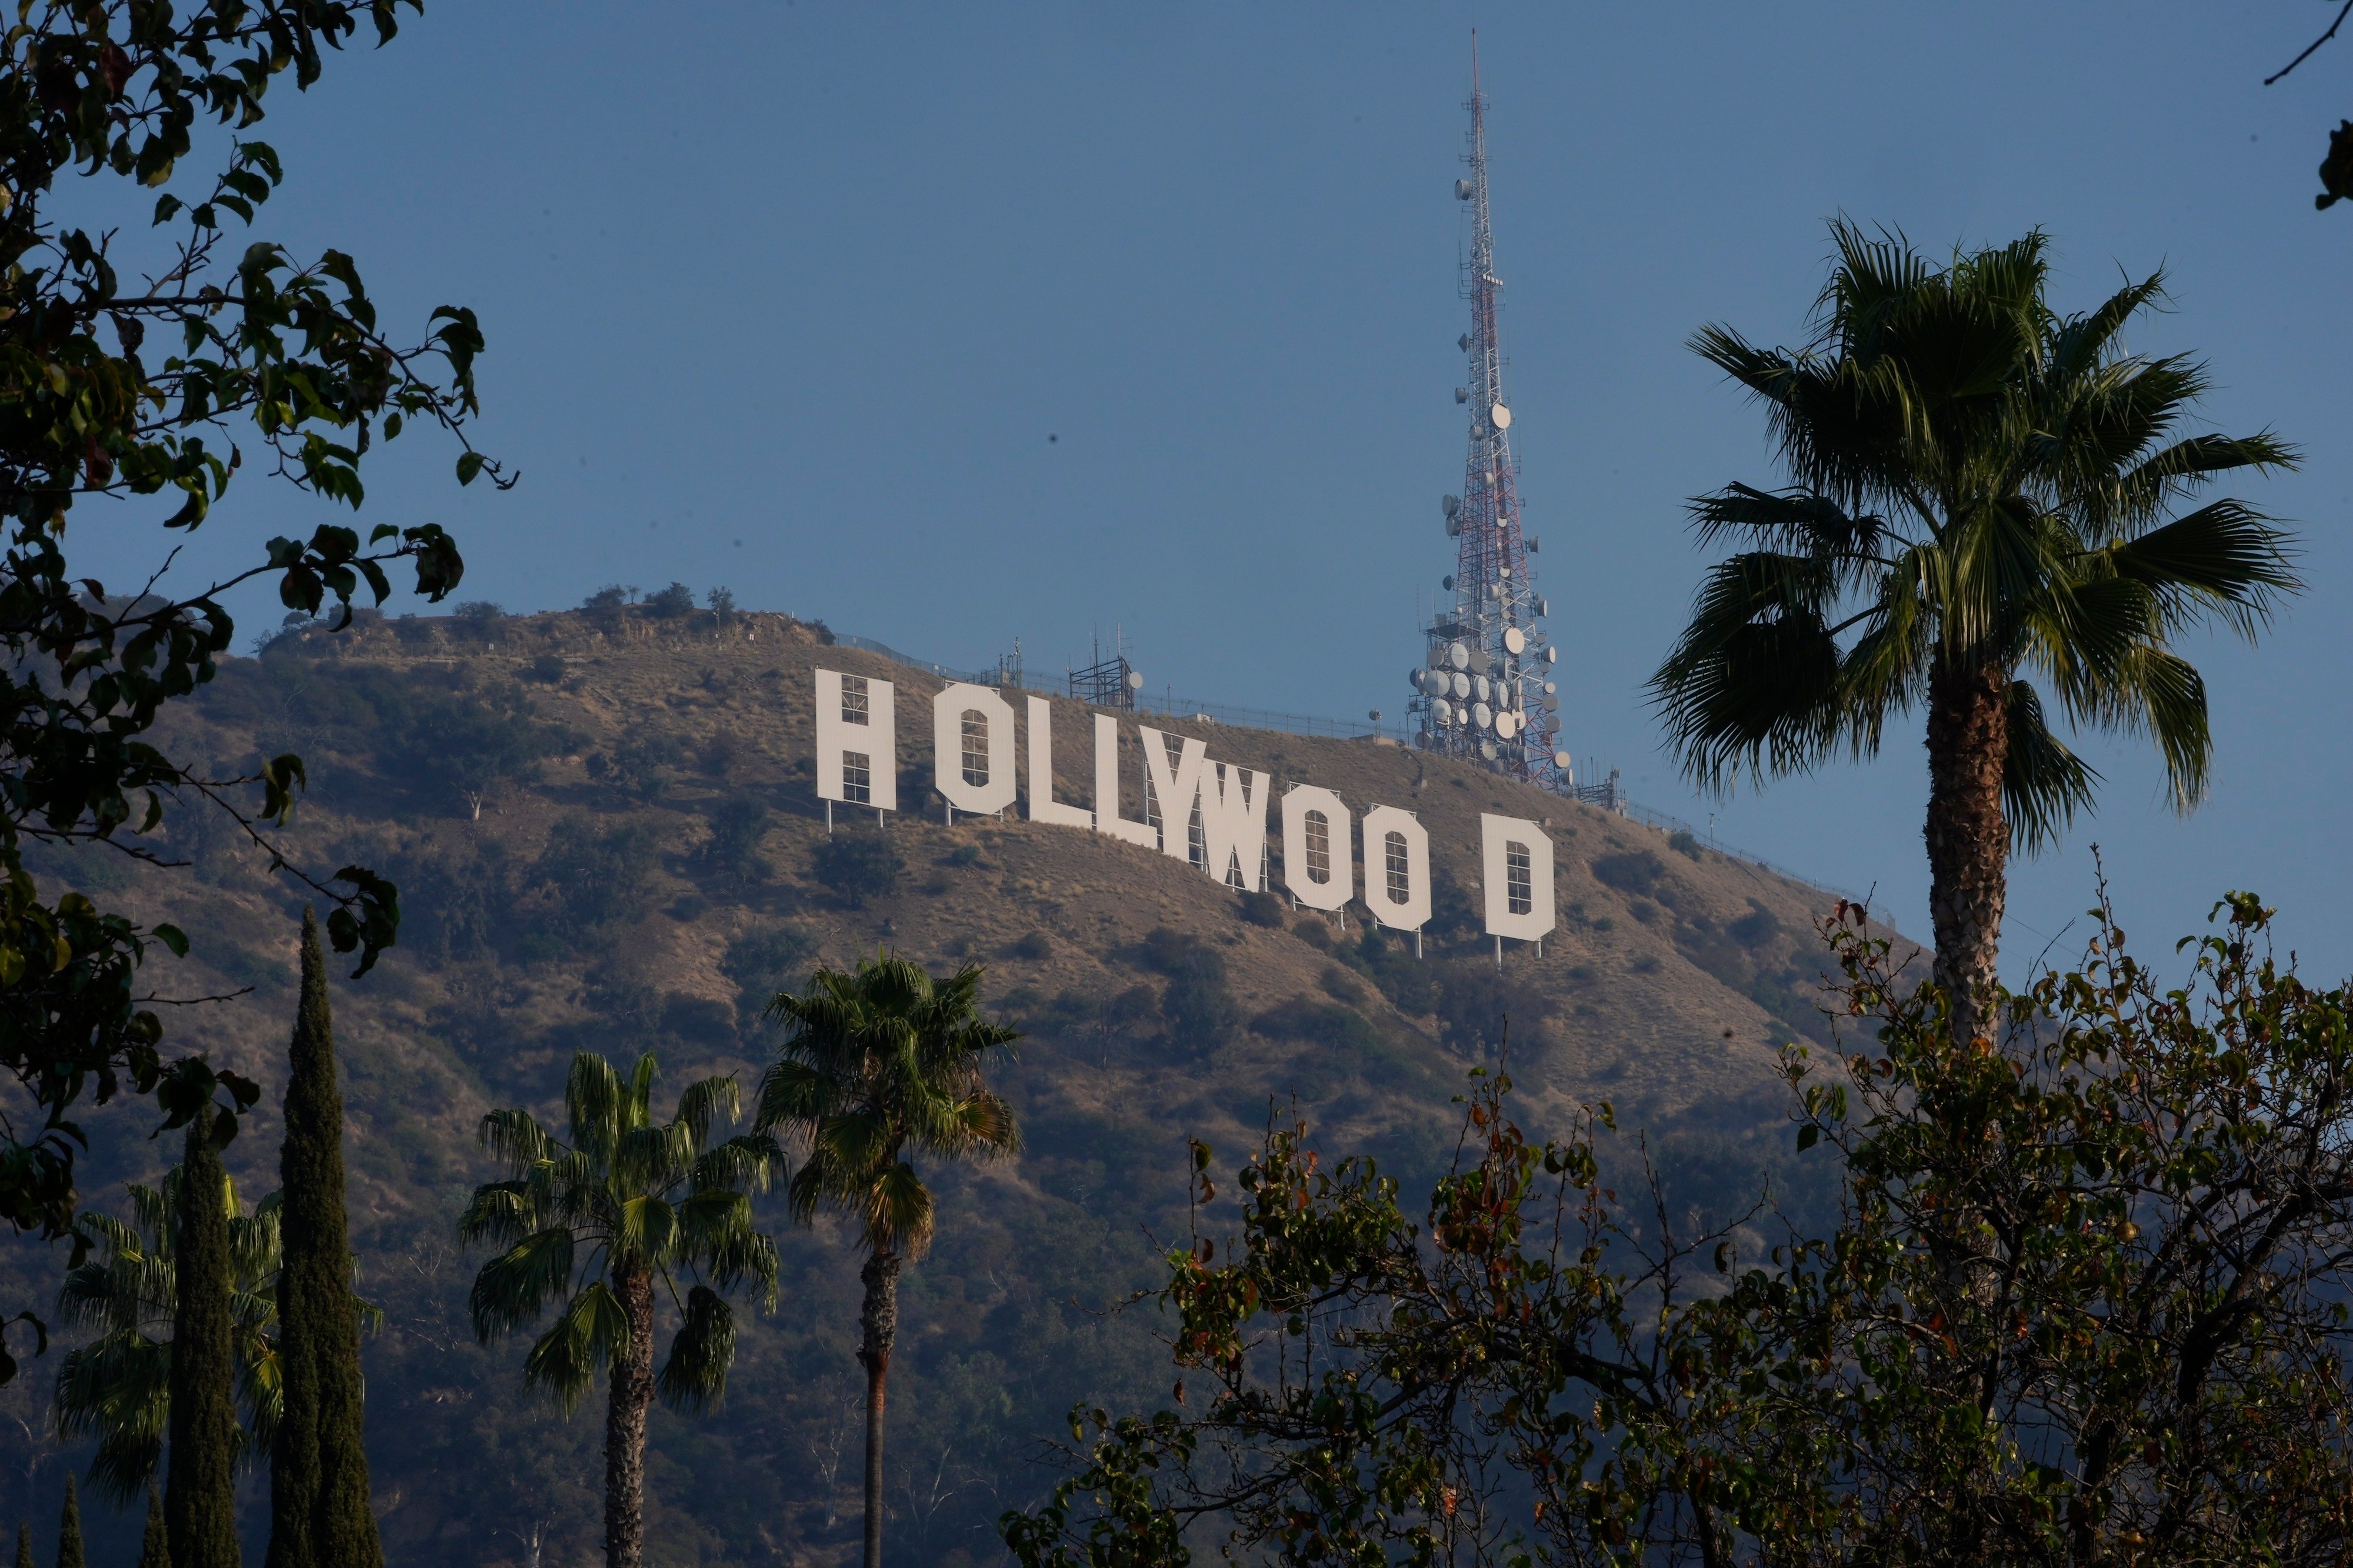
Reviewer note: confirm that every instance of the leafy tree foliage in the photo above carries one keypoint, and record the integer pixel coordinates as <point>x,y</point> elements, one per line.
<point>669,603</point>
<point>134,370</point>
<point>879,1066</point>
<point>2081,1302</point>
<point>1980,489</point>
<point>590,1227</point>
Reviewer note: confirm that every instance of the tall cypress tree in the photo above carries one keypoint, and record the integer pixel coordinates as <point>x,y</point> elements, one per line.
<point>319,1514</point>
<point>155,1546</point>
<point>200,1482</point>
<point>70,1530</point>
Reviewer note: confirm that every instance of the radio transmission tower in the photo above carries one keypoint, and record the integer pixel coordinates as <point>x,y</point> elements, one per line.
<point>1486,691</point>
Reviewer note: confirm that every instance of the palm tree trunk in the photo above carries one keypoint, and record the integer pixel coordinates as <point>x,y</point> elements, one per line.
<point>625,1425</point>
<point>879,1321</point>
<point>1968,837</point>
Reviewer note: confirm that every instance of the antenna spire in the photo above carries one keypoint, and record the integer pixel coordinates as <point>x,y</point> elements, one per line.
<point>1486,691</point>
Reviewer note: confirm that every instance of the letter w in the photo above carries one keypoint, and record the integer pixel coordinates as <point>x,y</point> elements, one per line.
<point>1233,822</point>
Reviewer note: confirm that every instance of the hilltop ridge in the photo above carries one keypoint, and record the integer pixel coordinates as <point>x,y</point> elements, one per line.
<point>607,835</point>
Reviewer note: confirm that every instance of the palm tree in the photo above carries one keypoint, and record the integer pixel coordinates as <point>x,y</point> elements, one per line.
<point>117,1388</point>
<point>876,1067</point>
<point>1979,488</point>
<point>593,1226</point>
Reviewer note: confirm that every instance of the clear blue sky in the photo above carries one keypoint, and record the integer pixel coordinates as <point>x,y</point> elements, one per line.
<point>791,300</point>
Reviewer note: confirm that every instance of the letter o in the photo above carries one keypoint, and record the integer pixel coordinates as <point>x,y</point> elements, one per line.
<point>1339,886</point>
<point>948,710</point>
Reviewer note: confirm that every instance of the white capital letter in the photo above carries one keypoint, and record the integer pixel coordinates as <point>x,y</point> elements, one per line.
<point>993,791</point>
<point>1043,806</point>
<point>1396,868</point>
<point>1337,851</point>
<point>1176,791</point>
<point>1516,862</point>
<point>1233,822</point>
<point>1107,816</point>
<point>857,755</point>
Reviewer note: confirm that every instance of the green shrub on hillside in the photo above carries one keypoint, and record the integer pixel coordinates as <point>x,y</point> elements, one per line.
<point>1630,871</point>
<point>763,962</point>
<point>596,879</point>
<point>737,827</point>
<point>1261,909</point>
<point>1197,1002</point>
<point>856,866</point>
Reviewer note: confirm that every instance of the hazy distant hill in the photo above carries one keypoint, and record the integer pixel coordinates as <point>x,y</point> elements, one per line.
<point>641,874</point>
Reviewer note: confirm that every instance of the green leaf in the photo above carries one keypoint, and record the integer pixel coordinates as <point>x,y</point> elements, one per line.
<point>469,465</point>
<point>172,936</point>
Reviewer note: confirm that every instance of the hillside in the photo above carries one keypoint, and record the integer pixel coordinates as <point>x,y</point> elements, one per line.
<point>607,837</point>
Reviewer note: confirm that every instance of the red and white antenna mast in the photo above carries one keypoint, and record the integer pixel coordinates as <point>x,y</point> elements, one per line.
<point>1486,691</point>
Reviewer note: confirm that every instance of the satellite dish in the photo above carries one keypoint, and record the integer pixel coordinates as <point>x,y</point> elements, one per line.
<point>1552,704</point>
<point>1532,543</point>
<point>1461,190</point>
<point>1515,640</point>
<point>1507,725</point>
<point>1440,714</point>
<point>1459,684</point>
<point>1377,715</point>
<point>1463,342</point>
<point>1543,606</point>
<point>1487,750</point>
<point>1479,685</point>
<point>1479,661</point>
<point>1482,715</point>
<point>1501,415</point>
<point>1447,583</point>
<point>1552,655</point>
<point>1458,655</point>
<point>1453,527</point>
<point>1560,760</point>
<point>1461,395</point>
<point>1423,739</point>
<point>1549,687</point>
<point>1135,680</point>
<point>1449,505</point>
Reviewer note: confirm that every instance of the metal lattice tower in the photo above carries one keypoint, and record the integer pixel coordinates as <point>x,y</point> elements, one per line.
<point>1486,689</point>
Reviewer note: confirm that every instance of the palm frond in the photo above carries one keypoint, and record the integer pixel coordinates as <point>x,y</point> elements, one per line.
<point>707,1099</point>
<point>1755,678</point>
<point>593,1330</point>
<point>2080,342</point>
<point>896,1212</point>
<point>499,1211</point>
<point>746,1163</point>
<point>2225,560</point>
<point>516,1285</point>
<point>2043,783</point>
<point>693,1376</point>
<point>517,1138</point>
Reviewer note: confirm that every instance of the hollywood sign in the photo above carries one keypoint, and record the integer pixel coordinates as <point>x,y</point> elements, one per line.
<point>974,770</point>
